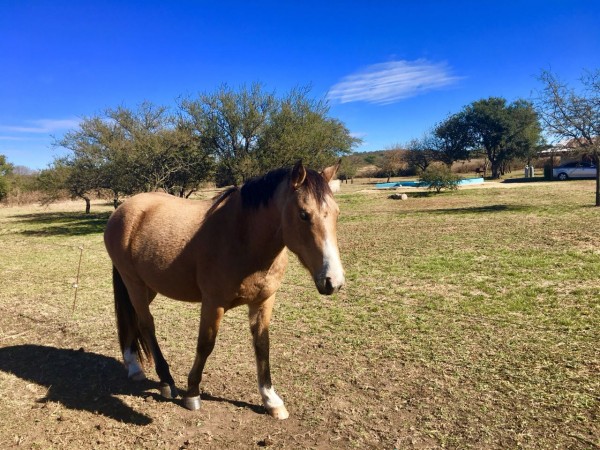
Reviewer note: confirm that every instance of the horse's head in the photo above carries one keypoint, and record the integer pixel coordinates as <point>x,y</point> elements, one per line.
<point>309,226</point>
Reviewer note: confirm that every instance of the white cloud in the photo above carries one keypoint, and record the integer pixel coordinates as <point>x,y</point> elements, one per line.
<point>41,126</point>
<point>392,81</point>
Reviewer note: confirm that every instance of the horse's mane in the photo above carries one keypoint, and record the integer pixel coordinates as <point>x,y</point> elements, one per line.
<point>259,191</point>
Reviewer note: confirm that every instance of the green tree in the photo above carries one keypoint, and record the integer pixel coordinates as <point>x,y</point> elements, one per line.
<point>71,176</point>
<point>439,176</point>
<point>504,131</point>
<point>229,124</point>
<point>299,128</point>
<point>348,169</point>
<point>251,131</point>
<point>155,150</point>
<point>6,170</point>
<point>126,151</point>
<point>573,115</point>
<point>452,139</point>
<point>86,168</point>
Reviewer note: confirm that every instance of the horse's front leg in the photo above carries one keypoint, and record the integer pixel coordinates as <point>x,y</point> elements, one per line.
<point>260,316</point>
<point>210,319</point>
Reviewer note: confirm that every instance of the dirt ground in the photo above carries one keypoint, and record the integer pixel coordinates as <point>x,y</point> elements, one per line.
<point>65,390</point>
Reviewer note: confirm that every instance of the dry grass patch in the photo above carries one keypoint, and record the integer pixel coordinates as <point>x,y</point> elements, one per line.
<point>469,320</point>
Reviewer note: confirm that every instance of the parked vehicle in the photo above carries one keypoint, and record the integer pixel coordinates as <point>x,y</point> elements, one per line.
<point>574,170</point>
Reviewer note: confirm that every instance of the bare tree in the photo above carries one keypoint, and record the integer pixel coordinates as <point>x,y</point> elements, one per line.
<point>573,115</point>
<point>393,161</point>
<point>419,154</point>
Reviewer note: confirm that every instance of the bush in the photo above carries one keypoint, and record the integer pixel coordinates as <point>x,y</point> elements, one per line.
<point>3,188</point>
<point>439,177</point>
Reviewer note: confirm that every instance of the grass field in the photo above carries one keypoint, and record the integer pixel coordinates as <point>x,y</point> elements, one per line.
<point>470,319</point>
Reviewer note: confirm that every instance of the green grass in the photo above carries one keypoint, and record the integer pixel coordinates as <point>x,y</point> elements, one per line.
<point>470,319</point>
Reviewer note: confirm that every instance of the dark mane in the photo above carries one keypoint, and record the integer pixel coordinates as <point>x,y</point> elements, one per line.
<point>259,191</point>
<point>217,200</point>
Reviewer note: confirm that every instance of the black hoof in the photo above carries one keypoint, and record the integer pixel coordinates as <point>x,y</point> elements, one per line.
<point>192,403</point>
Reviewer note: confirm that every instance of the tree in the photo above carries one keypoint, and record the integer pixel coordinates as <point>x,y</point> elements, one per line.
<point>251,131</point>
<point>70,176</point>
<point>87,167</point>
<point>439,177</point>
<point>573,115</point>
<point>6,169</point>
<point>452,139</point>
<point>229,124</point>
<point>419,154</point>
<point>393,161</point>
<point>299,128</point>
<point>504,131</point>
<point>126,151</point>
<point>156,150</point>
<point>348,169</point>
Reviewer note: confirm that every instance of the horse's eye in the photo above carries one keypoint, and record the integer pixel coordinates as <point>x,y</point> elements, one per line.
<point>304,215</point>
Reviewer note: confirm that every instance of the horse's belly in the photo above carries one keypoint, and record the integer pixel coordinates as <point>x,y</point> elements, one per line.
<point>172,277</point>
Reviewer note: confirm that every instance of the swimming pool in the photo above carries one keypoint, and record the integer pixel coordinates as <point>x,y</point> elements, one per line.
<point>397,184</point>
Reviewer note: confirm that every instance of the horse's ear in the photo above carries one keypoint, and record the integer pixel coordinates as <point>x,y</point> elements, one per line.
<point>298,175</point>
<point>329,172</point>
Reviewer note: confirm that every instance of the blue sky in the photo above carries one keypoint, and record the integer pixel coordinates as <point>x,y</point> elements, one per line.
<point>390,69</point>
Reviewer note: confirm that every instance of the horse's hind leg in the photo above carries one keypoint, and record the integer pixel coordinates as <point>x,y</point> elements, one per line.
<point>210,320</point>
<point>130,339</point>
<point>260,317</point>
<point>132,362</point>
<point>141,296</point>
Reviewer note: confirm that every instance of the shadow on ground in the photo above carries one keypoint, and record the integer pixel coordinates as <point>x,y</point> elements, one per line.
<point>88,381</point>
<point>62,223</point>
<point>77,379</point>
<point>525,180</point>
<point>479,209</point>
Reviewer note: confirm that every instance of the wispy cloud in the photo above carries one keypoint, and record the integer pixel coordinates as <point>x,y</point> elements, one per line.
<point>393,81</point>
<point>41,126</point>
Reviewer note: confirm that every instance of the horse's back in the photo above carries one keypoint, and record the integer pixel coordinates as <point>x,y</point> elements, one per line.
<point>147,238</point>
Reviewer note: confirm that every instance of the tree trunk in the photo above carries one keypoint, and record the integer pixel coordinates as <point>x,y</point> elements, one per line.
<point>88,204</point>
<point>495,170</point>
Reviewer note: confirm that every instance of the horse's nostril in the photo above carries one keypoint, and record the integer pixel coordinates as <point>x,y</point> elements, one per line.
<point>328,284</point>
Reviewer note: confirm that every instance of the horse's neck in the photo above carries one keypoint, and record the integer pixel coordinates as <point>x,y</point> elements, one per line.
<point>261,237</point>
<point>264,231</point>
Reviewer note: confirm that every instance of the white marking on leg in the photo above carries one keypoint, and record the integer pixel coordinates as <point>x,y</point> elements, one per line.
<point>134,368</point>
<point>270,397</point>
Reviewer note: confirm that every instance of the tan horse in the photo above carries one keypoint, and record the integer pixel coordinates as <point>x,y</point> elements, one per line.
<point>224,254</point>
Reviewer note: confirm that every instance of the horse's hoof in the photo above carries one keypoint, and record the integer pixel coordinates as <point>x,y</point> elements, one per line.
<point>278,412</point>
<point>168,391</point>
<point>192,403</point>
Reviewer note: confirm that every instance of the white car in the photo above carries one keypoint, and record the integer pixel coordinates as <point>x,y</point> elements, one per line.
<point>574,170</point>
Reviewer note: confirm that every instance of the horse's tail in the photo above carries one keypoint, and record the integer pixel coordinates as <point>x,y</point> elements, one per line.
<point>127,320</point>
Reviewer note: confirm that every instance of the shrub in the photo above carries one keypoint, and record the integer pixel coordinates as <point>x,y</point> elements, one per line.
<point>3,188</point>
<point>439,177</point>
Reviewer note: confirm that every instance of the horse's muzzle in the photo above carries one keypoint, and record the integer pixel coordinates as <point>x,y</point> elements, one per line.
<point>327,286</point>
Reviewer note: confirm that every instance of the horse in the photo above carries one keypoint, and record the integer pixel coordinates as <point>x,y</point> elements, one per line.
<point>223,253</point>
